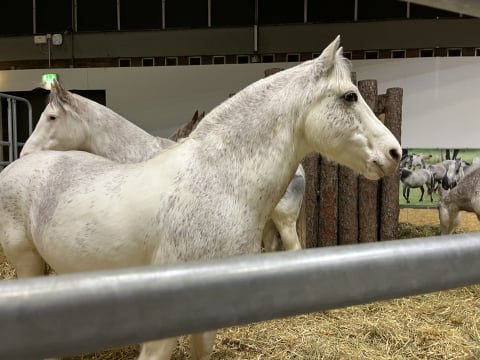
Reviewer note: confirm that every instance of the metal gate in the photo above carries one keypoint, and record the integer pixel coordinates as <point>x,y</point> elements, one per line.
<point>11,140</point>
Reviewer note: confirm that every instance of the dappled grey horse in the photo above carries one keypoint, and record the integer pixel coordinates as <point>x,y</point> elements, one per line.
<point>72,122</point>
<point>464,197</point>
<point>206,197</point>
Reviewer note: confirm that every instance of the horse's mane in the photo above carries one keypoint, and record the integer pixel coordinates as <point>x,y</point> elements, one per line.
<point>299,83</point>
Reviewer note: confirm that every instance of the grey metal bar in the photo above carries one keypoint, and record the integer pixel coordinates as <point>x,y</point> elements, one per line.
<point>12,123</point>
<point>78,313</point>
<point>10,129</point>
<point>14,129</point>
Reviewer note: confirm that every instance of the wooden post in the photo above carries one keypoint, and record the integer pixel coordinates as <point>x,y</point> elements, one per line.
<point>347,206</point>
<point>327,203</point>
<point>368,190</point>
<point>309,213</point>
<point>390,207</point>
<point>302,226</point>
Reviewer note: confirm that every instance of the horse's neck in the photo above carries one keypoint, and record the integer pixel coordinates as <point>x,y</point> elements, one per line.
<point>256,152</point>
<point>120,140</point>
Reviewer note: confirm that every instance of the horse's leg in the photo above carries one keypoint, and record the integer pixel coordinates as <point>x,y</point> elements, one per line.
<point>430,184</point>
<point>423,192</point>
<point>449,220</point>
<point>287,227</point>
<point>21,252</point>
<point>160,349</point>
<point>285,214</point>
<point>202,345</point>
<point>404,192</point>
<point>157,350</point>
<point>407,197</point>
<point>269,237</point>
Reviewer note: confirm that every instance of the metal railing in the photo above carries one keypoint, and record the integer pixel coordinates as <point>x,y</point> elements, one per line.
<point>78,313</point>
<point>12,130</point>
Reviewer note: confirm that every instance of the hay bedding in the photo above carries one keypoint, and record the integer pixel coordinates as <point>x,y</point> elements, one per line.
<point>443,325</point>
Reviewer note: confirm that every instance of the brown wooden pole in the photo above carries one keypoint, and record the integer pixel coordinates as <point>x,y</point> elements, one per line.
<point>390,207</point>
<point>308,218</point>
<point>302,226</point>
<point>368,193</point>
<point>347,206</point>
<point>328,203</point>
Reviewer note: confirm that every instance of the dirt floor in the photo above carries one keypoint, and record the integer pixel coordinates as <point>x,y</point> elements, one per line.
<point>469,221</point>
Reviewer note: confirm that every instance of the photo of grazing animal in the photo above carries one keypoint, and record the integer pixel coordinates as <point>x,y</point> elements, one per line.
<point>208,196</point>
<point>464,197</point>
<point>438,171</point>
<point>447,173</point>
<point>454,173</point>
<point>92,127</point>
<point>416,179</point>
<point>412,161</point>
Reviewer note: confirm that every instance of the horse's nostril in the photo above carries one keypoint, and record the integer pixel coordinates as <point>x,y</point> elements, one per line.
<point>395,154</point>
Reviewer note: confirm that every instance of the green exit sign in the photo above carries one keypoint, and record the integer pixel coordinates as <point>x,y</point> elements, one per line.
<point>49,78</point>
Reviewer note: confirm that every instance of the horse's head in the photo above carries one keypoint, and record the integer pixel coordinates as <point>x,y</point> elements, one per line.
<point>60,127</point>
<point>406,161</point>
<point>404,173</point>
<point>454,173</point>
<point>339,123</point>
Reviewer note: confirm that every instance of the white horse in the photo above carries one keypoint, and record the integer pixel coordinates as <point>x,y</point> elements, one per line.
<point>464,197</point>
<point>209,196</point>
<point>92,127</point>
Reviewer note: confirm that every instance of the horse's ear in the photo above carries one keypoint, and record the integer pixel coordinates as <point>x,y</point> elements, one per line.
<point>195,116</point>
<point>340,51</point>
<point>59,95</point>
<point>327,58</point>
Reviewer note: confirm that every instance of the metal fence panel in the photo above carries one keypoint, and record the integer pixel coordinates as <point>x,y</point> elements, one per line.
<point>85,312</point>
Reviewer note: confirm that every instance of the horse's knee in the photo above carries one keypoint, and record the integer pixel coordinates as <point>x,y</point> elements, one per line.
<point>157,350</point>
<point>202,345</point>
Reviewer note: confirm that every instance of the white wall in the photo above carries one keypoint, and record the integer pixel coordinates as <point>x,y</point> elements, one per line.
<point>441,98</point>
<point>440,94</point>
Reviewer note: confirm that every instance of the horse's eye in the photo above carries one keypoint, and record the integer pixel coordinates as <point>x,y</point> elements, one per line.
<point>350,96</point>
<point>52,117</point>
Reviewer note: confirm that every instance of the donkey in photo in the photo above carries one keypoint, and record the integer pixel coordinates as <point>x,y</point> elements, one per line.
<point>208,196</point>
<point>416,179</point>
<point>464,197</point>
